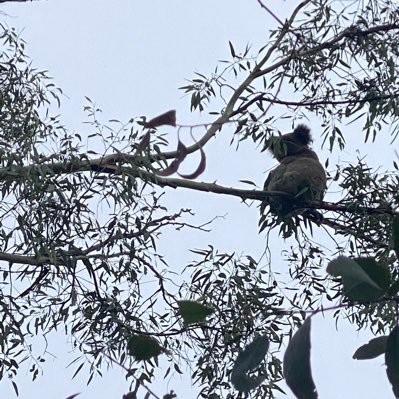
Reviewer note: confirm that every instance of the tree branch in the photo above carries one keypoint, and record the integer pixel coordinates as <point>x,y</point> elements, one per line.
<point>14,1</point>
<point>350,32</point>
<point>152,177</point>
<point>262,97</point>
<point>271,13</point>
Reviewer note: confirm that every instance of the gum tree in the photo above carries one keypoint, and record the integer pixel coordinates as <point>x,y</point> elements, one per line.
<point>79,225</point>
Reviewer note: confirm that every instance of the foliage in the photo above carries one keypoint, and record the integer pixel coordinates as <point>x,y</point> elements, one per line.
<point>297,370</point>
<point>79,228</point>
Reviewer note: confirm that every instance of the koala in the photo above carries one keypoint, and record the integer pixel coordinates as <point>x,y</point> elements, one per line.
<point>300,172</point>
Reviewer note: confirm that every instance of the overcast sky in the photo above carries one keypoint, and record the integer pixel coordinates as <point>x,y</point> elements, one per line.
<point>130,57</point>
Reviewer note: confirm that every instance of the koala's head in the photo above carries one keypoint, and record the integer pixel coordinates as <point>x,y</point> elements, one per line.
<point>292,144</point>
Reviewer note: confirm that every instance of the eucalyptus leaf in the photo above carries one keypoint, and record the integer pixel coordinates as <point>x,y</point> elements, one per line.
<point>392,360</point>
<point>296,364</point>
<point>194,312</point>
<point>363,279</point>
<point>375,347</point>
<point>247,361</point>
<point>143,347</point>
<point>395,233</point>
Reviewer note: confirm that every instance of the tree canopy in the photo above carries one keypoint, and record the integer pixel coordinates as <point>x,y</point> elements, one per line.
<point>80,222</point>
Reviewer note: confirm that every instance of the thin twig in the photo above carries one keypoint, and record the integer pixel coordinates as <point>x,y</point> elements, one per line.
<point>130,373</point>
<point>271,13</point>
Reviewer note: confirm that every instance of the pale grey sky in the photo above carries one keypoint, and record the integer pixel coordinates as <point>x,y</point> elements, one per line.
<point>130,57</point>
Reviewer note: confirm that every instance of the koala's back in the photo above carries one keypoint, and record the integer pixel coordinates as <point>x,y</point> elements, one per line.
<point>292,176</point>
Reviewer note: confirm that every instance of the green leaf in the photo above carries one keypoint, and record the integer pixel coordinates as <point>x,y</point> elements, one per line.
<point>232,52</point>
<point>392,360</point>
<point>296,364</point>
<point>252,355</point>
<point>73,396</point>
<point>379,273</point>
<point>245,383</point>
<point>363,279</point>
<point>395,233</point>
<point>247,361</point>
<point>194,312</point>
<point>375,347</point>
<point>143,347</point>
<point>393,289</point>
<point>248,182</point>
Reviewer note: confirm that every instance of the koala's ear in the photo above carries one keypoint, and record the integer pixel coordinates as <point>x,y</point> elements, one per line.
<point>301,135</point>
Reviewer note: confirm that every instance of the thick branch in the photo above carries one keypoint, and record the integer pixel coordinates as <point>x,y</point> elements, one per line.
<point>24,259</point>
<point>257,195</point>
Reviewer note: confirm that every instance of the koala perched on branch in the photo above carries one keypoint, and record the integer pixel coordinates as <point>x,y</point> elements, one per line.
<point>300,173</point>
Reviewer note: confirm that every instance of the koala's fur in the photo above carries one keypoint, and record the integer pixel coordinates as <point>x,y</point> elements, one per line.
<point>299,172</point>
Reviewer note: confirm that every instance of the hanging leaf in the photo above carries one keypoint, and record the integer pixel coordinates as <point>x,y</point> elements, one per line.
<point>232,52</point>
<point>245,383</point>
<point>252,355</point>
<point>73,396</point>
<point>143,347</point>
<point>143,144</point>
<point>296,364</point>
<point>374,348</point>
<point>200,169</point>
<point>363,279</point>
<point>392,360</point>
<point>194,312</point>
<point>181,153</point>
<point>247,361</point>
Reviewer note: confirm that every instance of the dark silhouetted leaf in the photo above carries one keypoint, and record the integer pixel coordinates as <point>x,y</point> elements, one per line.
<point>168,118</point>
<point>130,395</point>
<point>375,347</point>
<point>392,360</point>
<point>363,279</point>
<point>395,233</point>
<point>393,289</point>
<point>247,361</point>
<point>252,355</point>
<point>244,383</point>
<point>379,273</point>
<point>233,53</point>
<point>296,365</point>
<point>73,396</point>
<point>248,182</point>
<point>143,347</point>
<point>193,312</point>
<point>14,385</point>
<point>144,143</point>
